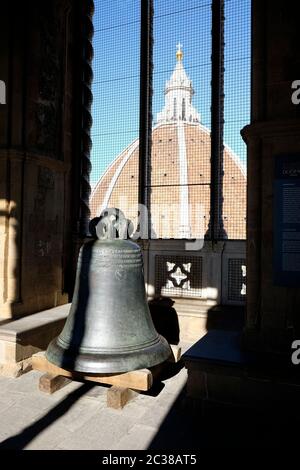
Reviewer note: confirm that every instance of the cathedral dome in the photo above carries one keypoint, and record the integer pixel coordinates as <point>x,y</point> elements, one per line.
<point>180,172</point>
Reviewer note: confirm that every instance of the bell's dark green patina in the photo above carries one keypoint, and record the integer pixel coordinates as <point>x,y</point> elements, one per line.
<point>109,328</point>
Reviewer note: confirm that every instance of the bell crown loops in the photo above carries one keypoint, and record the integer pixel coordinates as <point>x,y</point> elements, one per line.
<point>112,225</point>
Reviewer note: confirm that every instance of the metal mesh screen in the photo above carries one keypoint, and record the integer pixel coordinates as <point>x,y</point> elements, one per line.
<point>236,114</point>
<point>180,159</point>
<point>179,276</point>
<point>179,180</point>
<point>115,110</point>
<point>237,279</point>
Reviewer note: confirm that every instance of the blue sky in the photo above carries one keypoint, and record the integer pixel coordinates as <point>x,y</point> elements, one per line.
<point>116,69</point>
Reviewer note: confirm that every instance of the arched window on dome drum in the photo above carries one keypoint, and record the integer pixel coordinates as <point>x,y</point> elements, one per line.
<point>183,109</point>
<point>175,109</point>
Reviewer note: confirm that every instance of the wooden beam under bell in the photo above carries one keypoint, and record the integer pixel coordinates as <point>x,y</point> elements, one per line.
<point>141,379</point>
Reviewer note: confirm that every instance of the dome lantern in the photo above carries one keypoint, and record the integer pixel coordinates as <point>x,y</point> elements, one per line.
<point>178,95</point>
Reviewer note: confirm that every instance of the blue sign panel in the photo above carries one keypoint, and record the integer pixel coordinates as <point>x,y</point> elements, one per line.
<point>286,216</point>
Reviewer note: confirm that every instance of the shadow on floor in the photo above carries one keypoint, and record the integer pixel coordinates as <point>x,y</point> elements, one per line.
<point>218,426</point>
<point>20,441</point>
<point>202,424</point>
<point>169,371</point>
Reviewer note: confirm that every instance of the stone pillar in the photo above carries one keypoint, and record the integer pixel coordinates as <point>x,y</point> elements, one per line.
<point>272,310</point>
<point>36,148</point>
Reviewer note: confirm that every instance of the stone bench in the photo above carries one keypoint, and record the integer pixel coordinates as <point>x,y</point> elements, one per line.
<point>221,371</point>
<point>20,339</point>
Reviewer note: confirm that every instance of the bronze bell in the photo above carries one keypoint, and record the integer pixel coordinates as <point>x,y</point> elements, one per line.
<point>109,328</point>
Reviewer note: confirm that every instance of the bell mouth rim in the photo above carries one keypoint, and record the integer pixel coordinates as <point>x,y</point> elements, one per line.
<point>112,363</point>
<point>85,350</point>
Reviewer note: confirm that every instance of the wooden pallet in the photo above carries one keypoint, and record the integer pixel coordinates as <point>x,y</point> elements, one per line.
<point>123,387</point>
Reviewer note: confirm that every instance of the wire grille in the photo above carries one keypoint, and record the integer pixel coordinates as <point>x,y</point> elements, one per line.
<point>180,166</point>
<point>115,111</point>
<point>180,158</point>
<point>236,114</point>
<point>178,276</point>
<point>236,279</point>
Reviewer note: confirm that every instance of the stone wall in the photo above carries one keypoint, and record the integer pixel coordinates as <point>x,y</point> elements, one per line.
<point>36,154</point>
<point>272,310</point>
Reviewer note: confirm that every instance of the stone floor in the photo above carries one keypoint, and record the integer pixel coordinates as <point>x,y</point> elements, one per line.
<point>76,417</point>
